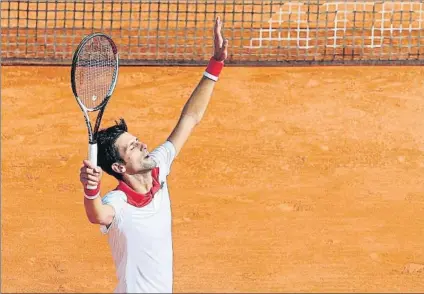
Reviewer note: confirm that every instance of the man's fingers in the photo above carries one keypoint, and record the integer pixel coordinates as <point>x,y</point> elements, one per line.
<point>217,34</point>
<point>225,50</point>
<point>225,45</point>
<point>89,177</point>
<point>83,178</point>
<point>89,171</point>
<point>90,181</point>
<point>222,53</point>
<point>86,182</point>
<point>87,163</point>
<point>217,27</point>
<point>92,178</point>
<point>90,174</point>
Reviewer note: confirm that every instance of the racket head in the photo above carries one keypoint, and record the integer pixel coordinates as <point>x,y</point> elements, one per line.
<point>94,71</point>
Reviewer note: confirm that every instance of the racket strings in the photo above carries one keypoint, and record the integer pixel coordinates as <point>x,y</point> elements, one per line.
<point>95,70</point>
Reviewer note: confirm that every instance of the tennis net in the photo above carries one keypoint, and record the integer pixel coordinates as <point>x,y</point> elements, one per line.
<point>179,32</point>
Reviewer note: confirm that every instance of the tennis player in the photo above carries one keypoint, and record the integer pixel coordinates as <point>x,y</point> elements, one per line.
<point>136,216</point>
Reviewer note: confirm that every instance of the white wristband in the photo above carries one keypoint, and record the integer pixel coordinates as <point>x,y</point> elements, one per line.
<point>209,76</point>
<point>92,197</point>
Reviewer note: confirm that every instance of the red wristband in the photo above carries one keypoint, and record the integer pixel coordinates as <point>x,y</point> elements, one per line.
<point>214,69</point>
<point>92,193</point>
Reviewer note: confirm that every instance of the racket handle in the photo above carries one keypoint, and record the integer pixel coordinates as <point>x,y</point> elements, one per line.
<point>92,157</point>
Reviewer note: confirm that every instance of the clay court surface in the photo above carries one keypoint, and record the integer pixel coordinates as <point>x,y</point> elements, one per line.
<point>297,179</point>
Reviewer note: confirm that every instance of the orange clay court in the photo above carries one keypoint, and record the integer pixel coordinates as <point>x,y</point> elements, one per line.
<point>297,179</point>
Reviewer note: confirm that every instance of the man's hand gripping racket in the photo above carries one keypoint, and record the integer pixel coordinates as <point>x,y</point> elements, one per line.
<point>94,74</point>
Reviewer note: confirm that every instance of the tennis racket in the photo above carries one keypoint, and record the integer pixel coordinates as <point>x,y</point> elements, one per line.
<point>94,74</point>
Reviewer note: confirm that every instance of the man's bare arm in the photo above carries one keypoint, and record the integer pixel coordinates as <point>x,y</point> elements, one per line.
<point>195,107</point>
<point>192,113</point>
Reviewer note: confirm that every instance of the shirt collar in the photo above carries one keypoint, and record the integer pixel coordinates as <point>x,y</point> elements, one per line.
<point>137,199</point>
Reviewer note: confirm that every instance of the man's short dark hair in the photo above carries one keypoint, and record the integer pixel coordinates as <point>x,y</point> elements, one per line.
<point>108,153</point>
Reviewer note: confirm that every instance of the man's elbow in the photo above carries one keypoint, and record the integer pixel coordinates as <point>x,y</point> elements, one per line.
<point>96,219</point>
<point>100,220</point>
<point>192,119</point>
<point>93,218</point>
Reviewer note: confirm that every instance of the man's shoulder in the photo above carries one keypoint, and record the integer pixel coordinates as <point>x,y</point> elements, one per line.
<point>114,196</point>
<point>167,146</point>
<point>164,155</point>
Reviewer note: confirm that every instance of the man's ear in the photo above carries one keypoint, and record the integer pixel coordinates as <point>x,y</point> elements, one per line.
<point>118,168</point>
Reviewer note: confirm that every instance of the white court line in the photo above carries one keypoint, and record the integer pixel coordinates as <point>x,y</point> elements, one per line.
<point>342,10</point>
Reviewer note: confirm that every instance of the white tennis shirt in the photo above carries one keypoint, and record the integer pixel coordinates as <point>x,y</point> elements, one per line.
<point>140,238</point>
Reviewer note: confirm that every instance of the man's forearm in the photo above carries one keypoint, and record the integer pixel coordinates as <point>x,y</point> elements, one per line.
<point>199,99</point>
<point>93,209</point>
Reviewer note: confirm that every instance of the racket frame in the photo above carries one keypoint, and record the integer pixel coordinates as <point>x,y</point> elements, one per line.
<point>92,138</point>
<point>91,132</point>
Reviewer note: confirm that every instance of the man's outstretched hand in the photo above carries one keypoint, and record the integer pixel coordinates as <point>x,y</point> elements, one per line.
<point>220,45</point>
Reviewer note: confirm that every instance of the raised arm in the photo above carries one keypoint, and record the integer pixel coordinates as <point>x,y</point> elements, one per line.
<point>196,105</point>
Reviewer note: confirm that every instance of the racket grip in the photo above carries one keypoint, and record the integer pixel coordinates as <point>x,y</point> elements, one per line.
<point>92,157</point>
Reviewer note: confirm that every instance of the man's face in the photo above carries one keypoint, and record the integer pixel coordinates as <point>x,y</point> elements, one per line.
<point>135,154</point>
